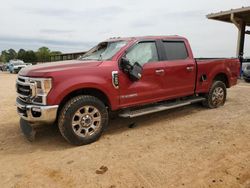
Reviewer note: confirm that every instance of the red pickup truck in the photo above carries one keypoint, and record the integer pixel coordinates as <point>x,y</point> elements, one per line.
<point>131,76</point>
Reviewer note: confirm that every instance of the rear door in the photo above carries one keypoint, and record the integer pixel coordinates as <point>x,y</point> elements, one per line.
<point>150,87</point>
<point>180,69</point>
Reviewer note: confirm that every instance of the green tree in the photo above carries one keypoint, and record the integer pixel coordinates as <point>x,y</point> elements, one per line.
<point>21,54</point>
<point>30,57</point>
<point>12,54</point>
<point>43,54</point>
<point>7,55</point>
<point>4,56</point>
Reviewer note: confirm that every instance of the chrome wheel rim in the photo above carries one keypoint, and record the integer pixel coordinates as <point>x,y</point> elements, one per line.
<point>86,121</point>
<point>218,96</point>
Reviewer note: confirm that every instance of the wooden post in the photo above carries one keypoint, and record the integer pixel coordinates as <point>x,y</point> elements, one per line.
<point>241,39</point>
<point>241,25</point>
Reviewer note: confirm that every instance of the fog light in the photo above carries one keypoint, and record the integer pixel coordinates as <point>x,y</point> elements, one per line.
<point>36,112</point>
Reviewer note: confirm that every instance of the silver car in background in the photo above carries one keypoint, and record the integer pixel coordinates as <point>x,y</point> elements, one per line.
<point>246,71</point>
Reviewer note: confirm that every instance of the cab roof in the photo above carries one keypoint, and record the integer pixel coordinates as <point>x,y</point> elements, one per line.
<point>170,37</point>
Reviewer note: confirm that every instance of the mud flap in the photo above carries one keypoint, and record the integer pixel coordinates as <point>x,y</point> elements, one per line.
<point>28,131</point>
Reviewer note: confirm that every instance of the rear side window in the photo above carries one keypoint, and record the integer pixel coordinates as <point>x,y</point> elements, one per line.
<point>175,50</point>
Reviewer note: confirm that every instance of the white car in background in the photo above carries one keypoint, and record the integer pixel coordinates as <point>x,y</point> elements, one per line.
<point>16,65</point>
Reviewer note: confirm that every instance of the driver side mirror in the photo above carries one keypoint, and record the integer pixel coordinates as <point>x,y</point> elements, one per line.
<point>125,65</point>
<point>134,71</point>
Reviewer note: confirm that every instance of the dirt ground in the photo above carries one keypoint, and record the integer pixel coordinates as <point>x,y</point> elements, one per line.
<point>185,147</point>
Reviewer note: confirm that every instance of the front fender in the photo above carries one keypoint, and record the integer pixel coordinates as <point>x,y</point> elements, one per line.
<point>63,88</point>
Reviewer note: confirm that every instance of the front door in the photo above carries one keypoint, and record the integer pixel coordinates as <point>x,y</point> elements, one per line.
<point>150,87</point>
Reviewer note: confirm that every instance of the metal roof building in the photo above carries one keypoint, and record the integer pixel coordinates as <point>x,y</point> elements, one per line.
<point>241,19</point>
<point>66,56</point>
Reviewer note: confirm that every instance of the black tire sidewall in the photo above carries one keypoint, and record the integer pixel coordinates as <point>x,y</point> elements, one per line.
<point>67,113</point>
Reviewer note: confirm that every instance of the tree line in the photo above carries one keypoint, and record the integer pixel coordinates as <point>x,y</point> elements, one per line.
<point>28,56</point>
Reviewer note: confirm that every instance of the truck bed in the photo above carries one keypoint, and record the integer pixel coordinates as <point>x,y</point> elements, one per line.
<point>212,58</point>
<point>208,68</point>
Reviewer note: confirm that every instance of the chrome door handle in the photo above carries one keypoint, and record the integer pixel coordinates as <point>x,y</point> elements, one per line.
<point>159,71</point>
<point>190,68</point>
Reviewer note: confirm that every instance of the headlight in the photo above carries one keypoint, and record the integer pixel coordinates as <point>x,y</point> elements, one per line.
<point>42,88</point>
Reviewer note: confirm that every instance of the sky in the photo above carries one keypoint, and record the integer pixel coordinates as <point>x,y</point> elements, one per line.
<point>78,25</point>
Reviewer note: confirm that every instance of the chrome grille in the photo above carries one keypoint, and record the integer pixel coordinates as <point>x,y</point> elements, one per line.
<point>23,88</point>
<point>29,90</point>
<point>21,79</point>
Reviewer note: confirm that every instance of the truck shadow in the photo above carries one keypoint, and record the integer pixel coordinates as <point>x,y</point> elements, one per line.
<point>118,125</point>
<point>48,138</point>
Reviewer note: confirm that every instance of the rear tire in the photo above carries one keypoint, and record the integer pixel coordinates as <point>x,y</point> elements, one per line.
<point>216,96</point>
<point>82,120</point>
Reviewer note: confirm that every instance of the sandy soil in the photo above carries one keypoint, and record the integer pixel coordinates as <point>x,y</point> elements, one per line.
<point>186,147</point>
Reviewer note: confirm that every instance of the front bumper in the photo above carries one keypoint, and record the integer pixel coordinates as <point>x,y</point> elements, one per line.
<point>36,114</point>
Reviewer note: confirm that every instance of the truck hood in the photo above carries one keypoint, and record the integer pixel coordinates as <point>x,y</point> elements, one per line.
<point>45,69</point>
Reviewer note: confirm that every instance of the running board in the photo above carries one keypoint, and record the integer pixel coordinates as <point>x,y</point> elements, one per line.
<point>159,107</point>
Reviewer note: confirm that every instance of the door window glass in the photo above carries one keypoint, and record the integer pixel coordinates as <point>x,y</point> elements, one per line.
<point>142,53</point>
<point>175,50</point>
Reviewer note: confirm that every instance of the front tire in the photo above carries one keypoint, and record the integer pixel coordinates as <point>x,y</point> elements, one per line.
<point>216,96</point>
<point>82,120</point>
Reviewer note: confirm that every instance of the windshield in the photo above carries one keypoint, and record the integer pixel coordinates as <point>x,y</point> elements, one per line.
<point>104,51</point>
